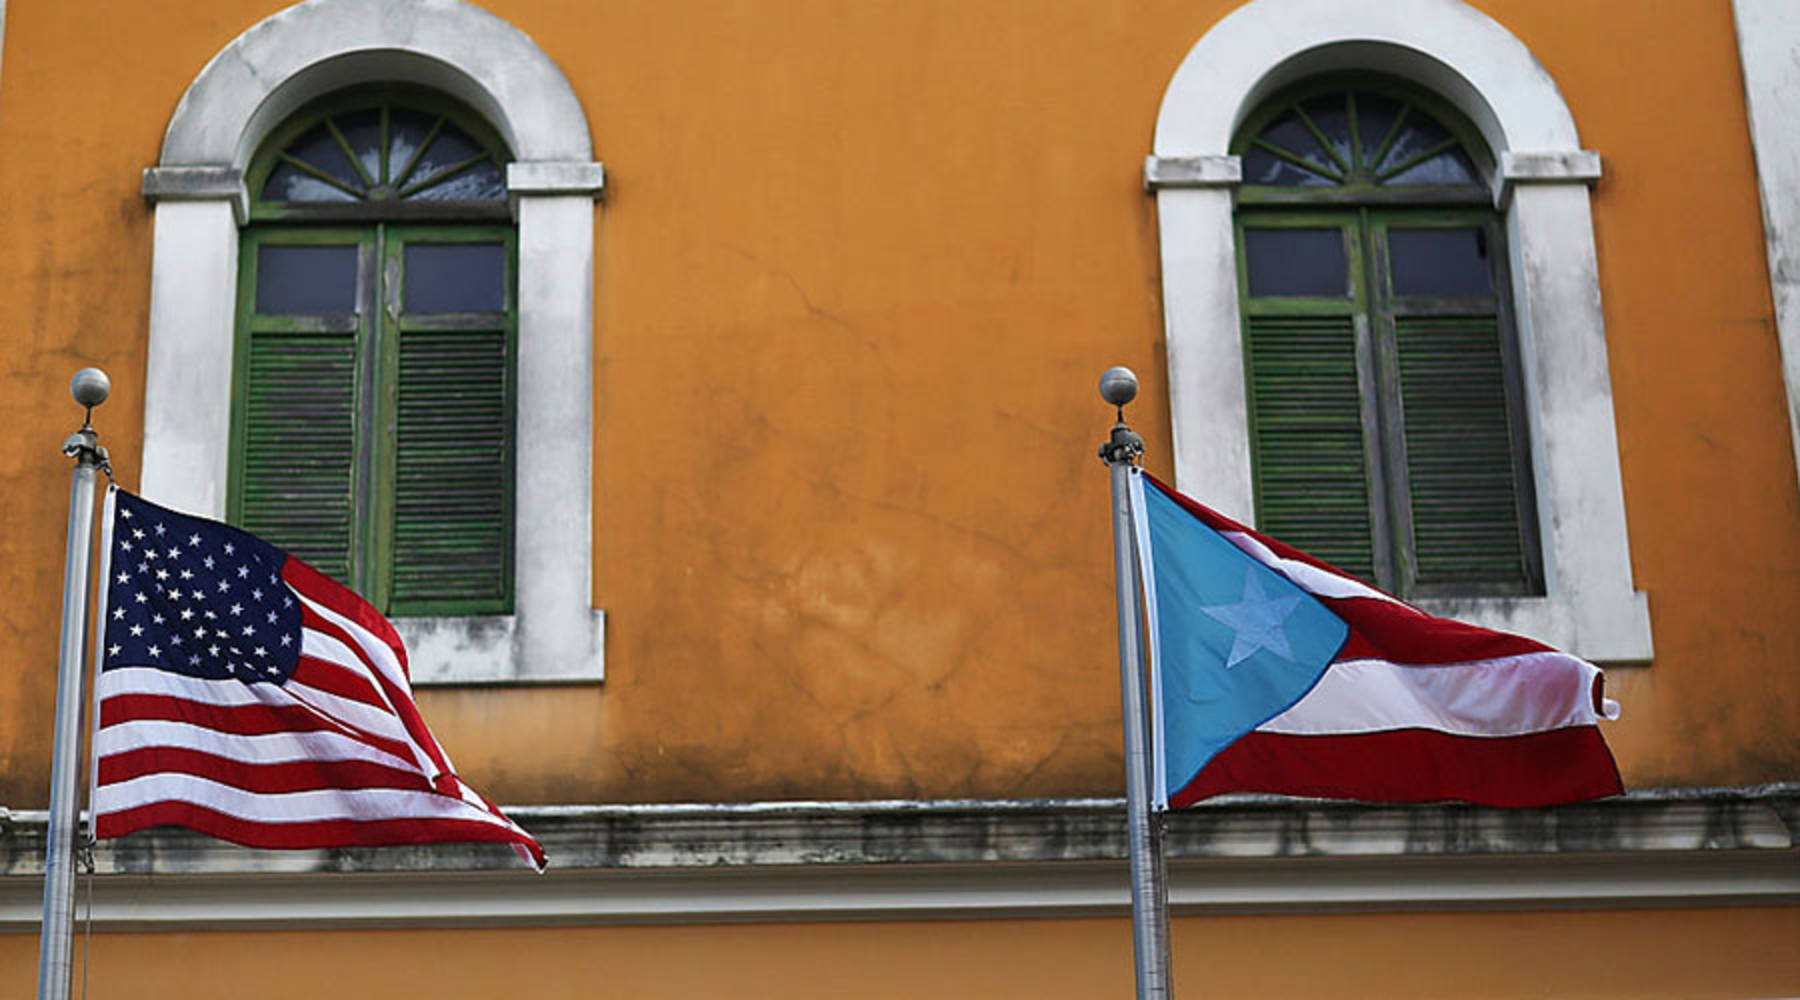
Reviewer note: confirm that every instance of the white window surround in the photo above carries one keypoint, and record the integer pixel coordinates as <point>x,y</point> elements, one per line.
<point>197,188</point>
<point>1541,183</point>
<point>1769,49</point>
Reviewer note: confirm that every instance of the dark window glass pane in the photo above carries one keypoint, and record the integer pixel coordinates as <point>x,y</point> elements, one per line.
<point>406,133</point>
<point>479,182</point>
<point>452,146</point>
<point>1332,116</point>
<point>287,183</point>
<point>1440,262</point>
<point>320,150</point>
<point>362,130</point>
<point>1264,167</point>
<point>1418,133</point>
<point>1374,119</point>
<point>455,277</point>
<point>306,281</point>
<point>1290,134</point>
<point>1452,166</point>
<point>1296,262</point>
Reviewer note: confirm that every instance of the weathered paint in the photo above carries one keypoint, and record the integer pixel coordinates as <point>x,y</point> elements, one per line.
<point>849,534</point>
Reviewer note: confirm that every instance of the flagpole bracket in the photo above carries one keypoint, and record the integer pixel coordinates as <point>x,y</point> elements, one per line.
<point>84,447</point>
<point>1124,445</point>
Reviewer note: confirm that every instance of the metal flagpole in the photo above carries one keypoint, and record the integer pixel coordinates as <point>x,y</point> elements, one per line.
<point>90,388</point>
<point>1149,899</point>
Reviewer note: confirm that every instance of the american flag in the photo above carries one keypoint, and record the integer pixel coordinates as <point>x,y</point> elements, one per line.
<point>246,695</point>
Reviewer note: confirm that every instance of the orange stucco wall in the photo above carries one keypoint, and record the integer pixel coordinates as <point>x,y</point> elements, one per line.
<point>1641,955</point>
<point>858,270</point>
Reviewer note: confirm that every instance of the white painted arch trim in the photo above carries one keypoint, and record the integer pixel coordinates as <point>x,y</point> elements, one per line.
<point>1540,178</point>
<point>250,87</point>
<point>279,64</point>
<point>1768,36</point>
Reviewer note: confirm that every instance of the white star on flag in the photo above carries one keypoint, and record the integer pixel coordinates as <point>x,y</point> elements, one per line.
<point>1255,621</point>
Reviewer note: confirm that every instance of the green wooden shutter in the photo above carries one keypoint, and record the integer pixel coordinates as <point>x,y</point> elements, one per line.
<point>452,480</point>
<point>452,355</point>
<point>303,323</point>
<point>1308,440</point>
<point>299,445</point>
<point>1460,454</point>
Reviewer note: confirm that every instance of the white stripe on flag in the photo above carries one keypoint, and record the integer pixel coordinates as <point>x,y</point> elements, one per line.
<point>247,751</point>
<point>156,681</point>
<point>1509,696</point>
<point>370,658</point>
<point>355,714</point>
<point>370,651</point>
<point>230,693</point>
<point>291,807</point>
<point>1306,576</point>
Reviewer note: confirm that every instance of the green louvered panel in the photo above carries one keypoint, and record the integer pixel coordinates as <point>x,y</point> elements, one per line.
<point>299,446</point>
<point>452,491</point>
<point>1460,453</point>
<point>1312,488</point>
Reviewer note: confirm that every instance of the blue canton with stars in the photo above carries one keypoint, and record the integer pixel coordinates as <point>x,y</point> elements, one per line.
<point>197,597</point>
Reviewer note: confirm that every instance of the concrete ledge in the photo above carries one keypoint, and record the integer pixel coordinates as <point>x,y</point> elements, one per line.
<point>963,831</point>
<point>555,177</point>
<point>955,858</point>
<point>1576,167</point>
<point>220,182</point>
<point>1192,172</point>
<point>488,649</point>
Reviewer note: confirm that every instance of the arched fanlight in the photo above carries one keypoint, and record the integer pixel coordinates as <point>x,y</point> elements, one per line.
<point>385,153</point>
<point>1355,138</point>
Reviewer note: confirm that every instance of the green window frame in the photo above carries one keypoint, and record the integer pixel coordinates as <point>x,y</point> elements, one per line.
<point>1386,410</point>
<point>375,363</point>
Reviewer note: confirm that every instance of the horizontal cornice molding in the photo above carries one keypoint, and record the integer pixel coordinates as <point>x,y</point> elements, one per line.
<point>1162,172</point>
<point>910,859</point>
<point>204,182</point>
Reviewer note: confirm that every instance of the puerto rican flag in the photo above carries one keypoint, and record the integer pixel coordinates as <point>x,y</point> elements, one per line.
<point>1274,672</point>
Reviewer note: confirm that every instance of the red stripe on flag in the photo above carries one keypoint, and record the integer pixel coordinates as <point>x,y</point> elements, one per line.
<point>312,833</point>
<point>344,601</point>
<point>1414,765</point>
<point>288,776</point>
<point>333,678</point>
<point>1382,630</point>
<point>237,720</point>
<point>399,699</point>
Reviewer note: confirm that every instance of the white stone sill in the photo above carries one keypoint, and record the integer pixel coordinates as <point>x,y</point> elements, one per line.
<point>485,650</point>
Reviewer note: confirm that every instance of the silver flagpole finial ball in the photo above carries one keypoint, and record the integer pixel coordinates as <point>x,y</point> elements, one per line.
<point>90,387</point>
<point>1119,385</point>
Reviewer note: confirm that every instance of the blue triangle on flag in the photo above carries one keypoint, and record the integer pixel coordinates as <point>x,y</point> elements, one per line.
<point>1232,642</point>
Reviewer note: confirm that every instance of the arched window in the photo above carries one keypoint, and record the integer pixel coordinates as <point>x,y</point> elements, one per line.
<point>1387,430</point>
<point>374,369</point>
<point>533,125</point>
<point>1235,83</point>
